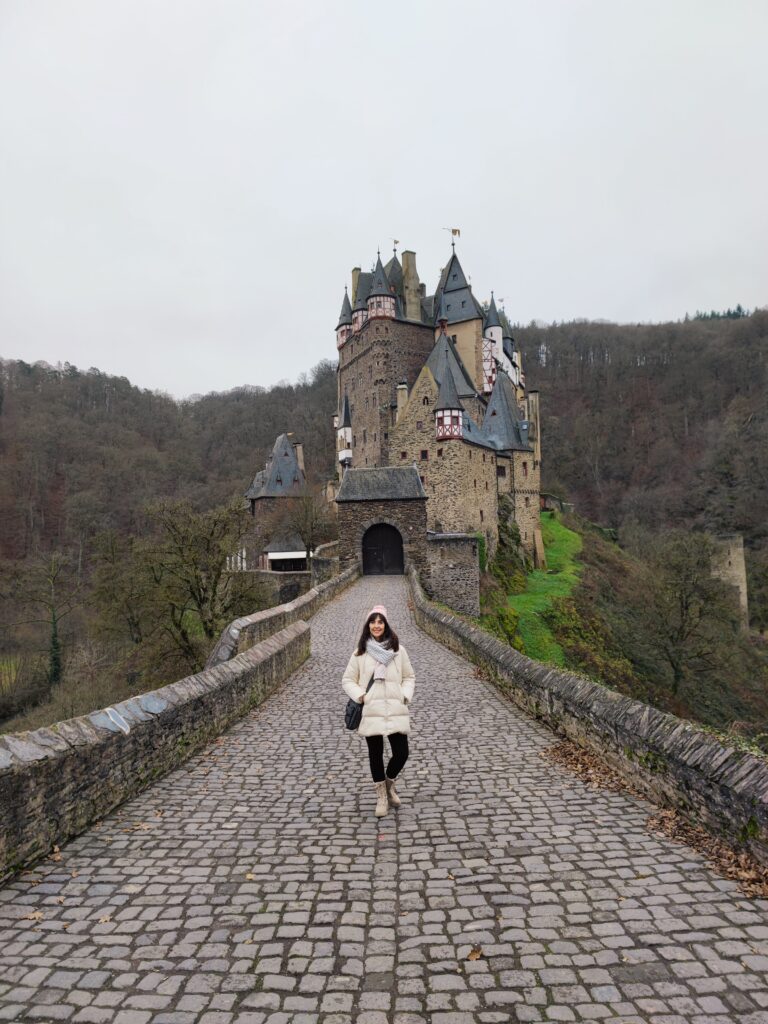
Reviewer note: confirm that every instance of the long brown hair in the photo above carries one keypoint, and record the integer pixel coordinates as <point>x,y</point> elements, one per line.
<point>389,634</point>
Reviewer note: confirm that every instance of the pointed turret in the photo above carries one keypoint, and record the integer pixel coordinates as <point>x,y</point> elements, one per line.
<point>345,317</point>
<point>344,437</point>
<point>344,326</point>
<point>448,396</point>
<point>492,316</point>
<point>381,300</point>
<point>503,422</point>
<point>346,418</point>
<point>441,317</point>
<point>380,283</point>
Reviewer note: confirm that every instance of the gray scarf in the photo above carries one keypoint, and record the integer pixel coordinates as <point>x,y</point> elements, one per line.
<point>381,653</point>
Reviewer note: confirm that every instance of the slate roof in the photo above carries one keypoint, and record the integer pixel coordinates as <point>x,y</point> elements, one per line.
<point>282,477</point>
<point>509,349</point>
<point>345,317</point>
<point>345,419</point>
<point>453,288</point>
<point>382,483</point>
<point>448,397</point>
<point>444,359</point>
<point>285,542</point>
<point>476,435</point>
<point>503,422</point>
<point>492,316</point>
<point>364,283</point>
<point>380,284</point>
<point>394,272</point>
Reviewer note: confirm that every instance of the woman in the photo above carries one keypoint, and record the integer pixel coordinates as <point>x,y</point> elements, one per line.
<point>380,657</point>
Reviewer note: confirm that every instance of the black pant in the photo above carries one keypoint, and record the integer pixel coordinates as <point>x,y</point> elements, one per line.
<point>398,741</point>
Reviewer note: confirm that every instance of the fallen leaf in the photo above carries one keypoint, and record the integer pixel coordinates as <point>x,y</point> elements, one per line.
<point>75,873</point>
<point>250,877</point>
<point>105,920</point>
<point>60,899</point>
<point>36,915</point>
<point>56,855</point>
<point>475,953</point>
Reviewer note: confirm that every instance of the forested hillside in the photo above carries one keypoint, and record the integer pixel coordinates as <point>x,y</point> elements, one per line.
<point>82,452</point>
<point>649,426</point>
<point>666,424</point>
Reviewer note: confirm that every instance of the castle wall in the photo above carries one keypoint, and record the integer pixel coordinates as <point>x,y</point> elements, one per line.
<point>454,571</point>
<point>729,566</point>
<point>469,344</point>
<point>524,490</point>
<point>371,364</point>
<point>459,478</point>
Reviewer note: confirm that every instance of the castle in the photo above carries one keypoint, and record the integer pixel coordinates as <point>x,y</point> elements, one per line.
<point>434,427</point>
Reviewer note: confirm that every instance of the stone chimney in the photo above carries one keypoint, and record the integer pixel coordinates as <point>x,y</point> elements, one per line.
<point>298,447</point>
<point>402,395</point>
<point>355,282</point>
<point>411,286</point>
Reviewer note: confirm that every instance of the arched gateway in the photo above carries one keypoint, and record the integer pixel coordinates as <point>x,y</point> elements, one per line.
<point>382,550</point>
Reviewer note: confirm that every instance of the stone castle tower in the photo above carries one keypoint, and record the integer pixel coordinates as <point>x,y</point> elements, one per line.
<point>433,385</point>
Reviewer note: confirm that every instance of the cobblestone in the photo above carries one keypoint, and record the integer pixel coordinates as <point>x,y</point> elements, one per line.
<point>255,886</point>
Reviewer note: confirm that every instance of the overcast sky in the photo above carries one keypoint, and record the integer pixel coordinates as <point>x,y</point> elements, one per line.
<point>185,186</point>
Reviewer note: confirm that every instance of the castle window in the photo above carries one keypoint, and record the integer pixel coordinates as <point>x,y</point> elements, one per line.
<point>453,338</point>
<point>403,455</point>
<point>425,400</point>
<point>475,484</point>
<point>527,502</point>
<point>481,515</point>
<point>439,453</point>
<point>463,303</point>
<point>483,456</point>
<point>365,437</point>
<point>424,454</point>
<point>486,485</point>
<point>525,469</point>
<point>423,479</point>
<point>419,424</point>
<point>501,471</point>
<point>386,436</point>
<point>454,278</point>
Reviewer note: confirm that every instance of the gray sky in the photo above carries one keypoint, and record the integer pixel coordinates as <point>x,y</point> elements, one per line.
<point>185,186</point>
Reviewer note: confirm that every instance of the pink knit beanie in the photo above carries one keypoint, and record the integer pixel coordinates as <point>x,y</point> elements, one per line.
<point>378,609</point>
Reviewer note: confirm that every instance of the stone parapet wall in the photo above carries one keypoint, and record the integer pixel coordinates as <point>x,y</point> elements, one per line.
<point>325,562</point>
<point>670,760</point>
<point>56,781</point>
<point>283,586</point>
<point>241,634</point>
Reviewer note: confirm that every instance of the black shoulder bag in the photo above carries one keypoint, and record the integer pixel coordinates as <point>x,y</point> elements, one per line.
<point>354,710</point>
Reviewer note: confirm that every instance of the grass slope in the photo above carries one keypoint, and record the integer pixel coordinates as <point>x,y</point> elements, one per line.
<point>543,585</point>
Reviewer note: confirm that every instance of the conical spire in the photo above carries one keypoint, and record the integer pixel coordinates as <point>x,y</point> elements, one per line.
<point>448,397</point>
<point>380,284</point>
<point>492,316</point>
<point>345,317</point>
<point>441,313</point>
<point>346,418</point>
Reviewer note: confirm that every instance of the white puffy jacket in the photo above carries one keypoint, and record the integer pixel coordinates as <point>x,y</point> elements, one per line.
<point>385,706</point>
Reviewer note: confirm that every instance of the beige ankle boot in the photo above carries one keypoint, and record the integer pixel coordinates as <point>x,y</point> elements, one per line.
<point>382,804</point>
<point>394,799</point>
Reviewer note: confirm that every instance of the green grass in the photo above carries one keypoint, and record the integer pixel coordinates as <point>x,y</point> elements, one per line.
<point>558,580</point>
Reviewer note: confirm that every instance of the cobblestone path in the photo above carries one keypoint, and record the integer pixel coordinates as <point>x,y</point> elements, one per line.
<point>255,885</point>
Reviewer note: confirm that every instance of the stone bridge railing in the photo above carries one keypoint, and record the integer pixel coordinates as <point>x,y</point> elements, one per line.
<point>672,761</point>
<point>55,782</point>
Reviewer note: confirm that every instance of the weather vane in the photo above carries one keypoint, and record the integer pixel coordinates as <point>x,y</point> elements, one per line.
<point>455,233</point>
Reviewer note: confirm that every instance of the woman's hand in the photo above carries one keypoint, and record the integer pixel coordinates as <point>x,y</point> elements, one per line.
<point>362,700</point>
